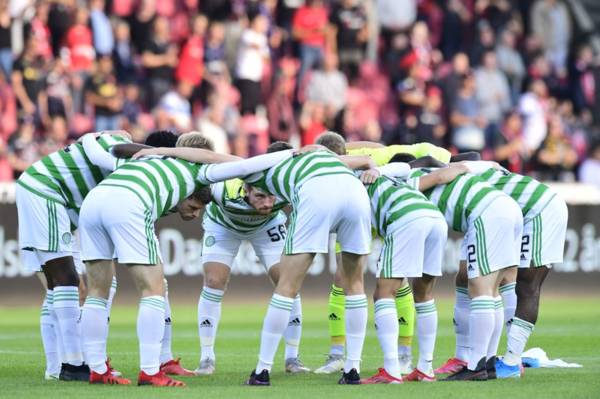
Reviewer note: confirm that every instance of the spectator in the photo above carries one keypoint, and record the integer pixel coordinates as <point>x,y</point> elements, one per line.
<point>80,44</point>
<point>511,63</point>
<point>329,87</point>
<point>252,55</point>
<point>466,119</point>
<point>56,137</point>
<point>124,54</point>
<point>28,77</point>
<point>312,121</point>
<point>174,108</point>
<point>214,49</point>
<point>532,105</point>
<point>510,149</point>
<point>589,172</point>
<point>211,124</point>
<point>485,41</point>
<point>348,23</point>
<point>131,106</point>
<point>23,148</point>
<point>56,100</point>
<point>282,121</point>
<point>38,28</point>
<point>430,126</point>
<point>457,17</point>
<point>451,82</point>
<point>6,55</point>
<point>395,16</point>
<point>159,59</point>
<point>6,174</point>
<point>584,81</point>
<point>141,24</point>
<point>102,93</point>
<point>551,24</point>
<point>8,109</point>
<point>309,28</point>
<point>191,60</point>
<point>556,158</point>
<point>104,40</point>
<point>60,19</point>
<point>412,94</point>
<point>493,93</point>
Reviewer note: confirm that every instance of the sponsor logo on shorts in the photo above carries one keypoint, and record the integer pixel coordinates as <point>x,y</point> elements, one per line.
<point>66,238</point>
<point>209,241</point>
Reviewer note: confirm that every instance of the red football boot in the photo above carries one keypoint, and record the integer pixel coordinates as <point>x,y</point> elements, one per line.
<point>107,378</point>
<point>159,379</point>
<point>382,377</point>
<point>452,366</point>
<point>173,367</point>
<point>418,375</point>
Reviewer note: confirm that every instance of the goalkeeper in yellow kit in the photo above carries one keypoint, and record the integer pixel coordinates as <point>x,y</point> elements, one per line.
<point>381,155</point>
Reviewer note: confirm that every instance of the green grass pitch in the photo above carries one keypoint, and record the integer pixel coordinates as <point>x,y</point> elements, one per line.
<point>567,329</point>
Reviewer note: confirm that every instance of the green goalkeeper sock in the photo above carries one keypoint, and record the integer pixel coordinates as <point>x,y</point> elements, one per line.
<point>405,306</point>
<point>337,324</point>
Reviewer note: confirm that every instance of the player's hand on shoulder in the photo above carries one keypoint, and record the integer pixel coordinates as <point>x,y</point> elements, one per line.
<point>369,176</point>
<point>149,151</point>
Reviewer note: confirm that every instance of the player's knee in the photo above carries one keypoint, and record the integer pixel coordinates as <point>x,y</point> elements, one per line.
<point>216,282</point>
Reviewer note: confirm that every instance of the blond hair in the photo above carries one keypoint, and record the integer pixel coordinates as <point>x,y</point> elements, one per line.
<point>195,140</point>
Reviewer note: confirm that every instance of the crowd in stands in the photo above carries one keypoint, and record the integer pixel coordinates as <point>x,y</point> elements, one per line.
<point>511,79</point>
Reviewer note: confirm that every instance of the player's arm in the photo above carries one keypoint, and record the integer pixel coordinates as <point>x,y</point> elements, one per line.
<point>96,154</point>
<point>196,155</point>
<point>358,162</point>
<point>363,144</point>
<point>479,167</point>
<point>441,176</point>
<point>127,150</point>
<point>229,170</point>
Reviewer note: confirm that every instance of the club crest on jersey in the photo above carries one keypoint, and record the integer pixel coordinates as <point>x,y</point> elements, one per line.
<point>66,238</point>
<point>209,241</point>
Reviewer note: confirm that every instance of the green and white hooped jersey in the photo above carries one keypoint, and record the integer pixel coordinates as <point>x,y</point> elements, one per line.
<point>66,176</point>
<point>531,195</point>
<point>230,209</point>
<point>284,179</point>
<point>159,182</point>
<point>461,200</point>
<point>393,200</point>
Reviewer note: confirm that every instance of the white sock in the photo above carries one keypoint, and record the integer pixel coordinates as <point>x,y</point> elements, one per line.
<point>461,323</point>
<point>49,338</point>
<point>165,350</point>
<point>61,350</point>
<point>498,325</point>
<point>427,322</point>
<point>66,307</point>
<point>518,334</point>
<point>509,300</point>
<point>293,331</point>
<point>94,329</point>
<point>356,328</point>
<point>150,330</point>
<point>274,325</point>
<point>209,314</point>
<point>481,328</point>
<point>386,325</point>
<point>111,295</point>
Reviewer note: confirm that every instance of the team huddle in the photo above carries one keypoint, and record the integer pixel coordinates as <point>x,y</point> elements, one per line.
<point>514,230</point>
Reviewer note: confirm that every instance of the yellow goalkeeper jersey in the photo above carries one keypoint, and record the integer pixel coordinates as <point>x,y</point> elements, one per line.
<point>382,155</point>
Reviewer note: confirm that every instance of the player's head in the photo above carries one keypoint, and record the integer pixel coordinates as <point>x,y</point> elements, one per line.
<point>466,156</point>
<point>402,157</point>
<point>192,206</point>
<point>427,162</point>
<point>195,140</point>
<point>333,142</point>
<point>278,146</point>
<point>161,138</point>
<point>259,200</point>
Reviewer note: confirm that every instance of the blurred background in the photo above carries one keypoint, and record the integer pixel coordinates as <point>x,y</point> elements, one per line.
<point>518,81</point>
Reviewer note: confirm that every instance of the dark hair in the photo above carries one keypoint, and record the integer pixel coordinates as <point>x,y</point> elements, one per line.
<point>278,146</point>
<point>161,138</point>
<point>466,156</point>
<point>202,194</point>
<point>332,141</point>
<point>426,162</point>
<point>402,157</point>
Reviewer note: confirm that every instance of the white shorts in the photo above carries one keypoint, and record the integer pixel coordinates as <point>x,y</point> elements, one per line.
<point>413,249</point>
<point>493,240</point>
<point>543,240</point>
<point>221,245</point>
<point>125,232</point>
<point>327,204</point>
<point>43,224</point>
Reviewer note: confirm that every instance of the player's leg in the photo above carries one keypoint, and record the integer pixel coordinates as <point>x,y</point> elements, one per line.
<point>168,364</point>
<point>268,248</point>
<point>49,333</point>
<point>216,276</point>
<point>219,249</point>
<point>405,306</point>
<point>427,316</point>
